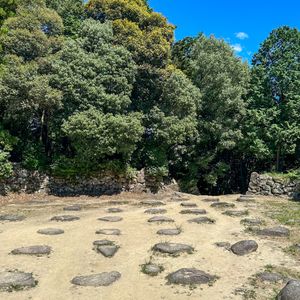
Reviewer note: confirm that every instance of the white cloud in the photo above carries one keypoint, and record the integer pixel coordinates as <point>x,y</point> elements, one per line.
<point>242,35</point>
<point>237,48</point>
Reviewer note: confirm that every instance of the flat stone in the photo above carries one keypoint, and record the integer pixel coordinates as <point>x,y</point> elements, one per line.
<point>107,250</point>
<point>111,219</point>
<point>103,243</point>
<point>244,247</point>
<point>270,277</point>
<point>211,200</point>
<point>189,276</point>
<point>222,205</point>
<point>188,204</point>
<point>278,231</point>
<point>291,291</point>
<point>151,269</point>
<point>73,208</point>
<point>173,231</point>
<point>193,212</point>
<point>112,231</point>
<point>235,213</point>
<point>12,218</point>
<point>155,211</point>
<point>224,245</point>
<point>101,279</point>
<point>64,218</point>
<point>10,281</point>
<point>160,219</point>
<point>32,250</point>
<point>202,220</point>
<point>152,203</point>
<point>251,222</point>
<point>114,210</point>
<point>246,199</point>
<point>172,248</point>
<point>50,231</point>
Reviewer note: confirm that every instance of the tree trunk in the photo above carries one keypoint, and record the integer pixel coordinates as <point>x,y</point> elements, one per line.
<point>278,154</point>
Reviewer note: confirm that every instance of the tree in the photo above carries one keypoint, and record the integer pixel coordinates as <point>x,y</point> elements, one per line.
<point>7,9</point>
<point>273,124</point>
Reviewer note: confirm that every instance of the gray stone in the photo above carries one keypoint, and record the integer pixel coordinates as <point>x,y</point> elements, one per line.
<point>160,219</point>
<point>278,231</point>
<point>155,211</point>
<point>236,213</point>
<point>107,250</point>
<point>171,231</point>
<point>12,218</point>
<point>172,248</point>
<point>74,207</point>
<point>202,220</point>
<point>101,279</point>
<point>244,247</point>
<point>193,212</point>
<point>33,250</point>
<point>111,231</point>
<point>291,291</point>
<point>103,243</point>
<point>152,203</point>
<point>211,200</point>
<point>151,269</point>
<point>251,222</point>
<point>15,280</point>
<point>51,231</point>
<point>188,204</point>
<point>222,205</point>
<point>190,276</point>
<point>114,210</point>
<point>270,277</point>
<point>111,219</point>
<point>225,245</point>
<point>245,199</point>
<point>64,218</point>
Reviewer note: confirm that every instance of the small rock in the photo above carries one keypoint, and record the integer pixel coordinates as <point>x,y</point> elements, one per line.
<point>222,205</point>
<point>50,231</point>
<point>111,219</point>
<point>194,211</point>
<point>246,199</point>
<point>278,231</point>
<point>188,204</point>
<point>189,276</point>
<point>291,291</point>
<point>32,250</point>
<point>151,269</point>
<point>251,222</point>
<point>244,247</point>
<point>102,279</point>
<point>103,243</point>
<point>236,213</point>
<point>155,211</point>
<point>114,210</point>
<point>202,220</point>
<point>112,231</point>
<point>160,219</point>
<point>10,281</point>
<point>12,218</point>
<point>173,231</point>
<point>73,208</point>
<point>270,277</point>
<point>108,250</point>
<point>65,218</point>
<point>172,248</point>
<point>225,245</point>
<point>152,203</point>
<point>211,200</point>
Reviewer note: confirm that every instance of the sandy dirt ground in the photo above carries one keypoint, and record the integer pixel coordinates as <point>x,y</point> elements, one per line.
<point>73,252</point>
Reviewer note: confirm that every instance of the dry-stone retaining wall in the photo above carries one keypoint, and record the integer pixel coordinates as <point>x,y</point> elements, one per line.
<point>270,186</point>
<point>103,184</point>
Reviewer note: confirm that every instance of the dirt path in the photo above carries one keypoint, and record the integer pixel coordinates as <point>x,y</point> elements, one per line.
<point>73,252</point>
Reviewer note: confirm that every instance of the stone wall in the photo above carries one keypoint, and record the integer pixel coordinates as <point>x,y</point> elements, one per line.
<point>103,184</point>
<point>270,186</point>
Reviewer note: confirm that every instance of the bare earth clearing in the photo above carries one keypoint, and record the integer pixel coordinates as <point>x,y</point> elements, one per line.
<point>73,253</point>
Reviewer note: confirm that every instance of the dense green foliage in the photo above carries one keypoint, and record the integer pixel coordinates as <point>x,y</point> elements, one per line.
<point>88,86</point>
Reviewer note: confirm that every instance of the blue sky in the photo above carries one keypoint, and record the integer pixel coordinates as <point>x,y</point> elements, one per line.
<point>244,24</point>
